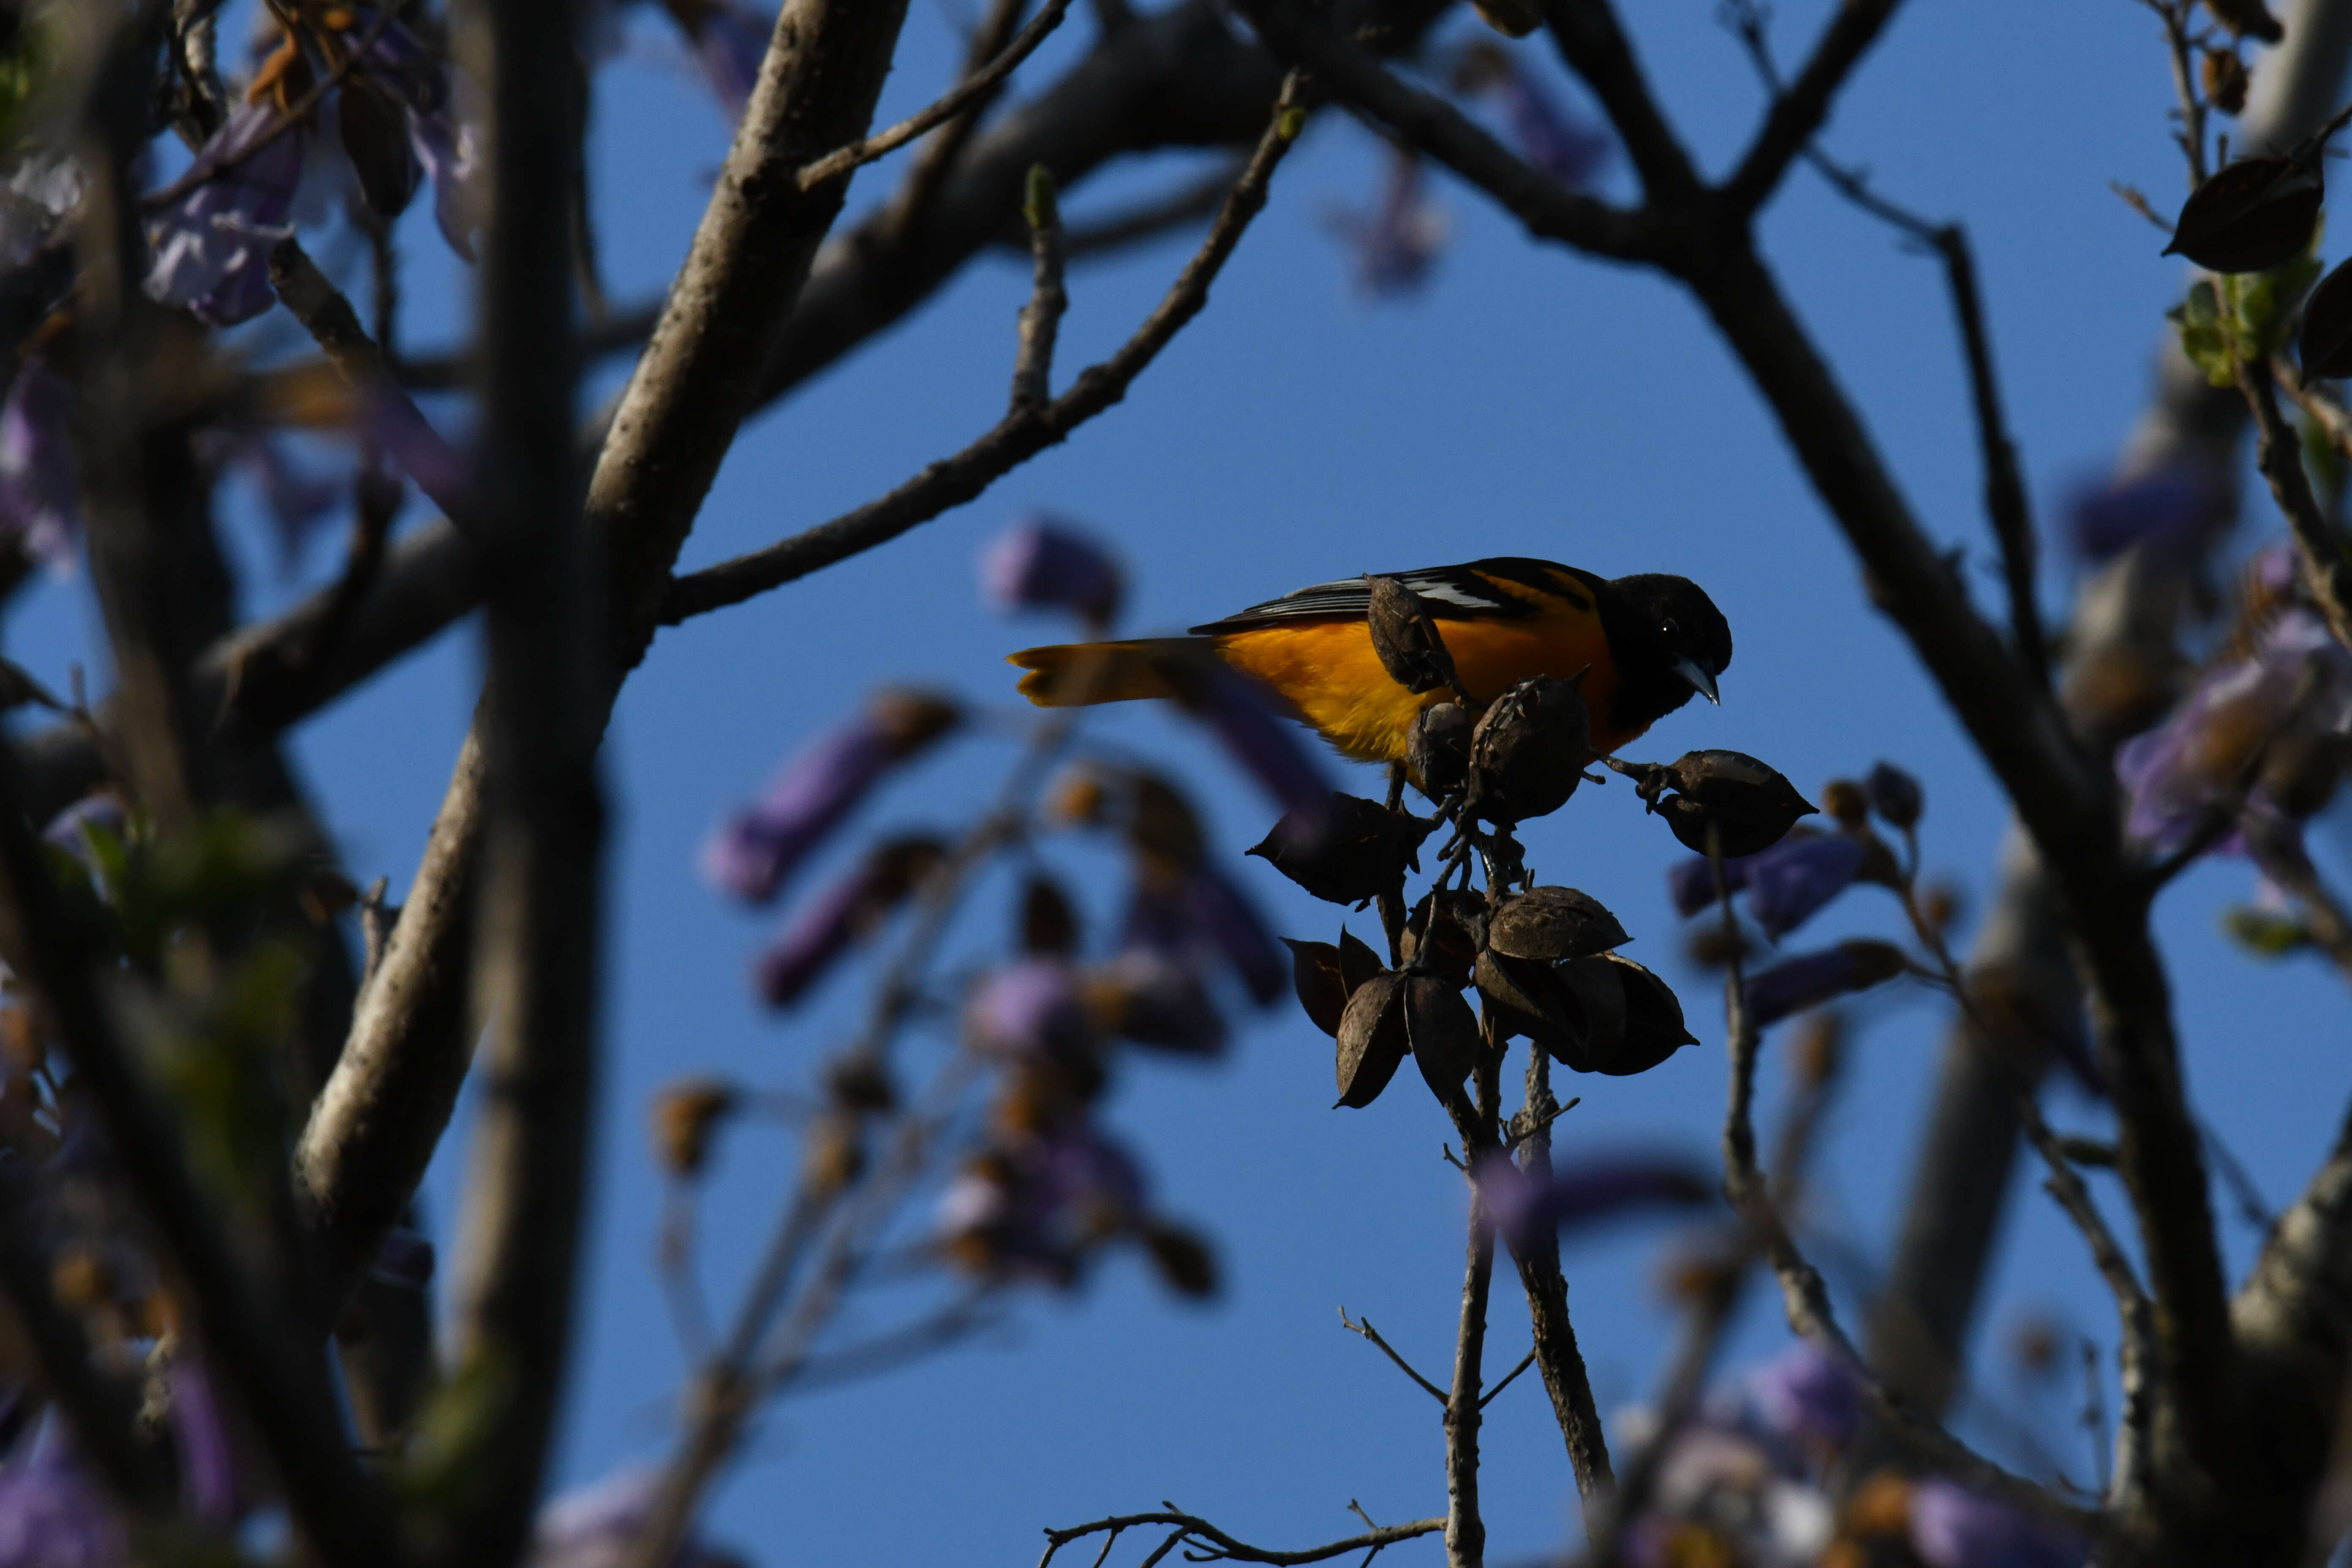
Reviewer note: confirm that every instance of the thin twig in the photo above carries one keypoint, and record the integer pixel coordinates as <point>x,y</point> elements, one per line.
<point>1040,318</point>
<point>1526,1361</point>
<point>1364,1326</point>
<point>2326,567</point>
<point>1465,1530</point>
<point>1020,435</point>
<point>1232,1550</point>
<point>974,86</point>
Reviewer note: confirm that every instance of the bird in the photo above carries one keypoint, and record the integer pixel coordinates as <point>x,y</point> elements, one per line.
<point>1643,645</point>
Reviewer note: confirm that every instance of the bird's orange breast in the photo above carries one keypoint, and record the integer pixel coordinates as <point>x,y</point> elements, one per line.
<point>1328,670</point>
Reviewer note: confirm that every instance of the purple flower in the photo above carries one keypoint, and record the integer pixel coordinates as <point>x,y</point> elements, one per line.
<point>1583,1190</point>
<point>1952,1527</point>
<point>1398,243</point>
<point>1182,913</point>
<point>212,244</point>
<point>842,915</point>
<point>1242,715</point>
<point>39,496</point>
<point>1042,564</point>
<point>1152,999</point>
<point>1692,881</point>
<point>52,1516</point>
<point>443,143</point>
<point>1038,1206</point>
<point>200,1432</point>
<point>297,498</point>
<point>1032,1008</point>
<point>1805,1396</point>
<point>1810,979</point>
<point>756,849</point>
<point>595,1526</point>
<point>1562,146</point>
<point>2173,510</point>
<point>2295,686</point>
<point>1794,879</point>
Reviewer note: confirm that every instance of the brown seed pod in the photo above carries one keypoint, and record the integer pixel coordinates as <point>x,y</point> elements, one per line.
<point>1405,636</point>
<point>2247,19</point>
<point>1162,825</point>
<point>1437,751</point>
<point>1637,1020</point>
<point>1845,800</point>
<point>2254,214</point>
<point>1372,1039</point>
<point>1554,924</point>
<point>1184,1258</point>
<point>1530,750</point>
<point>1455,932</point>
<point>685,1116</point>
<point>1442,1030</point>
<point>2325,347</point>
<point>1532,998</point>
<point>1315,975</point>
<point>1349,852</point>
<point>1752,806</point>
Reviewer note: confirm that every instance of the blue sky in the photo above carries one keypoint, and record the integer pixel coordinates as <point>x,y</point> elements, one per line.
<point>1528,403</point>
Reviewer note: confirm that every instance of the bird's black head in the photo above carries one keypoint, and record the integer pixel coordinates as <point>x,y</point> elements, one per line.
<point>1669,641</point>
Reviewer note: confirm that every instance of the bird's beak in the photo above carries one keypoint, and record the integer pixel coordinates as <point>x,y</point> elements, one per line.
<point>1701,681</point>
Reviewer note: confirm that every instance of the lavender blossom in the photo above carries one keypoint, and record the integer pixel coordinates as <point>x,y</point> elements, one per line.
<point>597,1526</point>
<point>1032,1008</point>
<point>2172,511</point>
<point>1044,564</point>
<point>842,915</point>
<point>1791,881</point>
<point>1583,1192</point>
<point>1242,715</point>
<point>443,142</point>
<point>1152,999</point>
<point>760,846</point>
<point>1810,979</point>
<point>1692,882</point>
<point>1040,1206</point>
<point>39,496</point>
<point>2295,687</point>
<point>1399,241</point>
<point>53,1516</point>
<point>1806,1397</point>
<point>1188,912</point>
<point>1562,146</point>
<point>1952,1527</point>
<point>212,245</point>
<point>209,1483</point>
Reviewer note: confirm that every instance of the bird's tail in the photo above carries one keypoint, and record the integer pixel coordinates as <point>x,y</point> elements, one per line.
<point>1078,675</point>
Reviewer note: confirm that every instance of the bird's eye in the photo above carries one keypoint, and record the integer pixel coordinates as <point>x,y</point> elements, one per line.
<point>1669,630</point>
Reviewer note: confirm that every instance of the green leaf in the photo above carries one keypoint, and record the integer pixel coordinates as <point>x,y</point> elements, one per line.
<point>2264,933</point>
<point>2205,338</point>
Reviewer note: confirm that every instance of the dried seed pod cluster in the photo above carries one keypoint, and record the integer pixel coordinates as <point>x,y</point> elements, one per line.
<point>1530,750</point>
<point>1749,805</point>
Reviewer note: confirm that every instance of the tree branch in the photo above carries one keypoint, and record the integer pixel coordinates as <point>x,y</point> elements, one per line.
<point>1225,1548</point>
<point>1367,1331</point>
<point>1798,114</point>
<point>1465,1531</point>
<point>1589,38</point>
<point>2327,569</point>
<point>1020,435</point>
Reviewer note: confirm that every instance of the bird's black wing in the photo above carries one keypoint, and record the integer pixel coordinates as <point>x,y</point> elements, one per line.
<point>1466,592</point>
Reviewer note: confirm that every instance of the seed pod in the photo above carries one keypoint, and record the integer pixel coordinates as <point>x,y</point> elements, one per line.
<point>1346,852</point>
<point>1405,636</point>
<point>2247,19</point>
<point>1315,975</point>
<point>1752,806</point>
<point>1049,926</point>
<point>1161,824</point>
<point>1532,998</point>
<point>685,1116</point>
<point>1372,1039</point>
<point>1530,750</point>
<point>2254,214</point>
<point>1186,1262</point>
<point>2225,80</point>
<point>1895,796</point>
<point>2325,348</point>
<point>1637,1018</point>
<point>1443,1032</point>
<point>1554,924</point>
<point>1357,961</point>
<point>1446,940</point>
<point>1437,751</point>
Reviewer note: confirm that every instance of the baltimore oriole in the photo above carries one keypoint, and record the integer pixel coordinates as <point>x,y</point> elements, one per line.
<point>1645,643</point>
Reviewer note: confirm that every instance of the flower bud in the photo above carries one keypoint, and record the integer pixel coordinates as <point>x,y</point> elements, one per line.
<point>1437,750</point>
<point>1810,979</point>
<point>1345,849</point>
<point>1406,640</point>
<point>1372,1039</point>
<point>1843,800</point>
<point>1183,1260</point>
<point>1790,883</point>
<point>685,1116</point>
<point>1750,806</point>
<point>1895,796</point>
<point>2253,214</point>
<point>1049,925</point>
<point>1553,923</point>
<point>1530,750</point>
<point>1043,564</point>
<point>861,1083</point>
